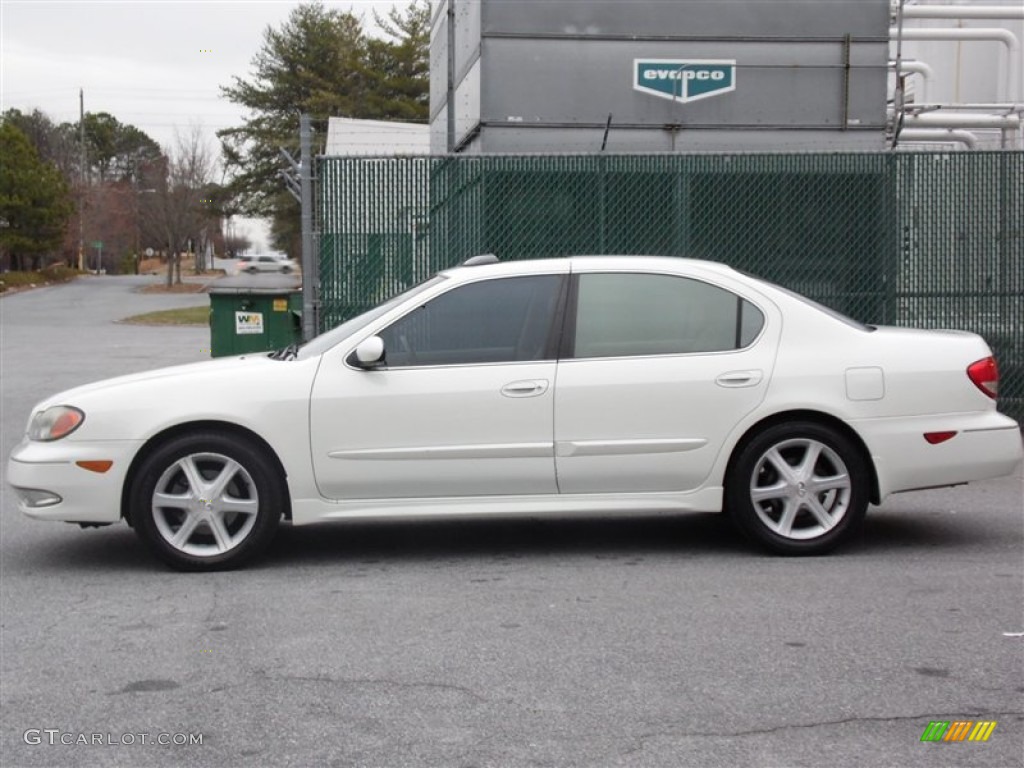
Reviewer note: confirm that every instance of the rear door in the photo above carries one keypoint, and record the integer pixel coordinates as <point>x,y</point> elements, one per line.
<point>659,370</point>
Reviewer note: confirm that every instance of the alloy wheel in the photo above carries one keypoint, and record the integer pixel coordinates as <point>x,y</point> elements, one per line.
<point>800,489</point>
<point>205,504</point>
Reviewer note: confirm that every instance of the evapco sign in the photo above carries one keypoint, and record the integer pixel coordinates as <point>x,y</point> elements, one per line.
<point>684,80</point>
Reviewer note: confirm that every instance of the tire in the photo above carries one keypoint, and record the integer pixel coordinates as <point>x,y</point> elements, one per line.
<point>286,270</point>
<point>798,489</point>
<point>192,524</point>
<point>251,271</point>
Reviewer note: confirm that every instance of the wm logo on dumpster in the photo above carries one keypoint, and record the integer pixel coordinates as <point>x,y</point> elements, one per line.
<point>958,730</point>
<point>684,80</point>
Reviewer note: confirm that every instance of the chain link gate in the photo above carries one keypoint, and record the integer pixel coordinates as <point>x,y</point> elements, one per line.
<point>931,240</point>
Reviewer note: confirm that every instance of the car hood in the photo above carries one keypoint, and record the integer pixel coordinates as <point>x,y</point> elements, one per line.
<point>223,370</point>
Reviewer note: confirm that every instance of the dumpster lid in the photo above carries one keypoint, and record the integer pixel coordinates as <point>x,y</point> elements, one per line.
<point>257,284</point>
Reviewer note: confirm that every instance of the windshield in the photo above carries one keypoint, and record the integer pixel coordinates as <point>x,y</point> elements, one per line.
<point>325,341</point>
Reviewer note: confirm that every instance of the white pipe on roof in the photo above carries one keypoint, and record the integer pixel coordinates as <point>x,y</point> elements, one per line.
<point>1007,109</point>
<point>1013,63</point>
<point>948,135</point>
<point>960,33</point>
<point>963,11</point>
<point>915,67</point>
<point>947,120</point>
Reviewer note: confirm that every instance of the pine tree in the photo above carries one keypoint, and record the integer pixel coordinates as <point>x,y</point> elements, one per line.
<point>35,202</point>
<point>322,63</point>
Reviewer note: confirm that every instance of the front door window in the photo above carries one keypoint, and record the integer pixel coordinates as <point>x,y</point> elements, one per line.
<point>502,320</point>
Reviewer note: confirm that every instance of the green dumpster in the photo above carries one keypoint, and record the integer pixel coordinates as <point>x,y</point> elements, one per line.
<point>254,313</point>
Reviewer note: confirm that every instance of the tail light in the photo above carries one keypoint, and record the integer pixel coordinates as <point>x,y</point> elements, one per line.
<point>985,376</point>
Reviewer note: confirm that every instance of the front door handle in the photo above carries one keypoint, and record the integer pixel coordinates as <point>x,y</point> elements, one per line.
<point>736,379</point>
<point>526,388</point>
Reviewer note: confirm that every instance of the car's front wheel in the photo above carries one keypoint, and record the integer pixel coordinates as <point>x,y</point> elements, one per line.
<point>799,488</point>
<point>207,501</point>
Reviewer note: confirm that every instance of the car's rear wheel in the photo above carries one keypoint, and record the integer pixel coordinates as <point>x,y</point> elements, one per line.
<point>207,501</point>
<point>286,270</point>
<point>251,271</point>
<point>798,489</point>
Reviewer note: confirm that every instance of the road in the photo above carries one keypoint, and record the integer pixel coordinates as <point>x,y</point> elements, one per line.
<point>608,642</point>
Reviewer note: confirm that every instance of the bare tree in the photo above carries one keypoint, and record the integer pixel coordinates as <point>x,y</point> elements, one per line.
<point>236,245</point>
<point>176,212</point>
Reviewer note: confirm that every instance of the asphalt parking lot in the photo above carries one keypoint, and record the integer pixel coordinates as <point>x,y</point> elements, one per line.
<point>568,642</point>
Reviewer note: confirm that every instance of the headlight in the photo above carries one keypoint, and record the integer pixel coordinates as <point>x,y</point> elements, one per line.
<point>55,423</point>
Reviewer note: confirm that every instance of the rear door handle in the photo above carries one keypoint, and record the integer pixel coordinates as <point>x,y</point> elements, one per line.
<point>736,379</point>
<point>527,388</point>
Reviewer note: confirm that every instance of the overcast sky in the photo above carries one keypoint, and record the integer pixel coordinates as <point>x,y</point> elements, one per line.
<point>153,64</point>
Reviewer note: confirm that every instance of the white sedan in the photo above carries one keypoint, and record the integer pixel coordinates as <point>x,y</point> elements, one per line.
<point>272,262</point>
<point>587,384</point>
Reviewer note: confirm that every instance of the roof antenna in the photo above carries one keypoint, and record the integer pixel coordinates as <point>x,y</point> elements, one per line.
<point>607,127</point>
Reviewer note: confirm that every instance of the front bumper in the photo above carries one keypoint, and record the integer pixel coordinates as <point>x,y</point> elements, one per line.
<point>85,496</point>
<point>987,444</point>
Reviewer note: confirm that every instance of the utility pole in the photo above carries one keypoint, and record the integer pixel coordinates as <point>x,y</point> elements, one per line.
<point>450,106</point>
<point>81,174</point>
<point>302,191</point>
<point>310,267</point>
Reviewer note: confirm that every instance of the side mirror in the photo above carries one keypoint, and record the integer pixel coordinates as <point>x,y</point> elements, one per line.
<point>369,353</point>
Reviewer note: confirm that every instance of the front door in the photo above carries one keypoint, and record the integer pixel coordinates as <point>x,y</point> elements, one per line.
<point>462,406</point>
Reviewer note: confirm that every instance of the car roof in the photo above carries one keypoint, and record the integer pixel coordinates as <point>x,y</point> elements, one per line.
<point>587,264</point>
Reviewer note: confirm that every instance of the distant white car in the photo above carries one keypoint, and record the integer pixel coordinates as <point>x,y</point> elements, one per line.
<point>266,263</point>
<point>587,384</point>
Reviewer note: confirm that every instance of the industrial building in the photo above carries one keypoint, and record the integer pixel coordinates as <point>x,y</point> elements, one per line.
<point>705,76</point>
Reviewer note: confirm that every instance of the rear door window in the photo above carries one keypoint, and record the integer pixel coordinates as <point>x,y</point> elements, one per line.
<point>624,315</point>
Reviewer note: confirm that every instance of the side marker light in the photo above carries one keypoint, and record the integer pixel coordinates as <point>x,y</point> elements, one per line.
<point>95,466</point>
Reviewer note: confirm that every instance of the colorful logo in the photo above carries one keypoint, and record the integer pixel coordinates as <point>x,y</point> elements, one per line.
<point>684,80</point>
<point>958,730</point>
<point>248,323</point>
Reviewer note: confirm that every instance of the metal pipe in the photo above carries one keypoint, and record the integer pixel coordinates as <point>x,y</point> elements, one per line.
<point>942,120</point>
<point>846,83</point>
<point>917,68</point>
<point>1006,108</point>
<point>963,12</point>
<point>997,34</point>
<point>960,33</point>
<point>450,106</point>
<point>966,138</point>
<point>899,95</point>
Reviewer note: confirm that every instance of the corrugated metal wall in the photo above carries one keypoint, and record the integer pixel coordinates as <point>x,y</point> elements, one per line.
<point>929,240</point>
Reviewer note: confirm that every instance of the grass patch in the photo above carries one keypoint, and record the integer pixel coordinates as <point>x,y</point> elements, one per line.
<point>185,316</point>
<point>174,288</point>
<point>55,274</point>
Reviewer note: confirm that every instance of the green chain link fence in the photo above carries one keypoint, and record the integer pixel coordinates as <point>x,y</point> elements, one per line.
<point>932,240</point>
